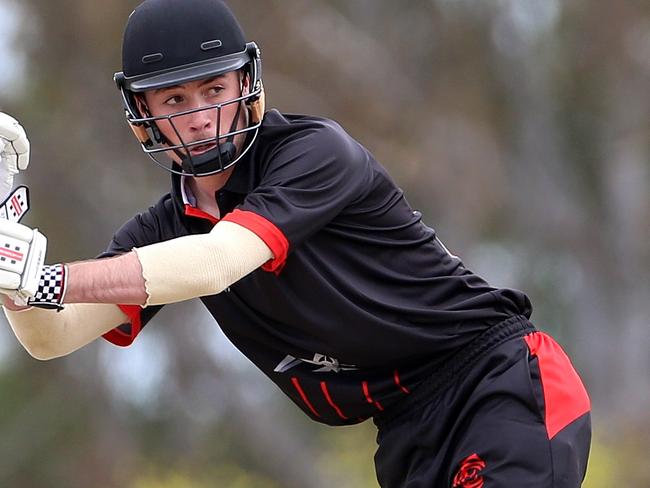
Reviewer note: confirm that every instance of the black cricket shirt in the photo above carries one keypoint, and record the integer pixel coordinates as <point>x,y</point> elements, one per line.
<point>361,300</point>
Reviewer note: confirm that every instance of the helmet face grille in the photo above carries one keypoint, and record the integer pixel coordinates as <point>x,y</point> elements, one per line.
<point>222,153</point>
<point>163,35</point>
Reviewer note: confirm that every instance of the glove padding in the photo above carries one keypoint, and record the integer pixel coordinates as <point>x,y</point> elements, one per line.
<point>22,256</point>
<point>14,151</point>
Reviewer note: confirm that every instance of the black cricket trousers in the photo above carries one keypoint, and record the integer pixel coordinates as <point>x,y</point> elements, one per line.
<point>509,411</point>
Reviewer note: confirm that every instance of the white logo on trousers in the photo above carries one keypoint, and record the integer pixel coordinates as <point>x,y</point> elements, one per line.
<point>326,364</point>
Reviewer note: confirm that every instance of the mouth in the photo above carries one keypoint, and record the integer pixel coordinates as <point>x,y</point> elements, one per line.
<point>203,148</point>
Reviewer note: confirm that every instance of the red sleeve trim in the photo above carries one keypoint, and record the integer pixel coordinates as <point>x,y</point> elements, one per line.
<point>565,397</point>
<point>119,338</point>
<point>268,232</point>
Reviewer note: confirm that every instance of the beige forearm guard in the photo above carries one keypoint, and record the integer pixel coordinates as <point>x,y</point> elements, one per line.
<point>198,265</point>
<point>47,334</point>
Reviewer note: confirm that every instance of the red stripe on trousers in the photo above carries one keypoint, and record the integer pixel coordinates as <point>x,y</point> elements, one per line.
<point>323,386</point>
<point>297,386</point>
<point>369,399</point>
<point>399,385</point>
<point>565,397</point>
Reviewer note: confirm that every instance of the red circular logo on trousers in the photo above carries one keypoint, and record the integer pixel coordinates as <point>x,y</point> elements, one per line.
<point>468,475</point>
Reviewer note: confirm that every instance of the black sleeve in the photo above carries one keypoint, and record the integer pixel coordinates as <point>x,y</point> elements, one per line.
<point>309,180</point>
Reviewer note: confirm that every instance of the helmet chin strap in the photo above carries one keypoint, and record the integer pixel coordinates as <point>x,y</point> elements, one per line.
<point>214,159</point>
<point>210,160</point>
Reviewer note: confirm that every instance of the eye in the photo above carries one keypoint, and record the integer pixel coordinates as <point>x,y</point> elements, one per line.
<point>173,100</point>
<point>214,91</point>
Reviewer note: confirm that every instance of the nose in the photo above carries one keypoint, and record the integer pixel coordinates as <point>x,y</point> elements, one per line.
<point>203,120</point>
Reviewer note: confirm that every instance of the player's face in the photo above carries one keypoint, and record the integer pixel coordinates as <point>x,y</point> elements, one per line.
<point>202,124</point>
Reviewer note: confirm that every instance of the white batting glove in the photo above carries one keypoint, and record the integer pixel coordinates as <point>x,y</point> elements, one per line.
<point>22,259</point>
<point>14,151</point>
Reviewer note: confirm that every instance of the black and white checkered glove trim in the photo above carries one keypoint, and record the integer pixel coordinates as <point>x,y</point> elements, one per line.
<point>51,288</point>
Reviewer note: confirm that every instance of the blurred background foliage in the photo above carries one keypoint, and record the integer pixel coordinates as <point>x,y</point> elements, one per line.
<point>518,127</point>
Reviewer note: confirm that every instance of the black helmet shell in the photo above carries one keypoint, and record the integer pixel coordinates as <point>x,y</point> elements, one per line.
<point>168,42</point>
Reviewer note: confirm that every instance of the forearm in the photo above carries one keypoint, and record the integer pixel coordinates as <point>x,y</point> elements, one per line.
<point>115,280</point>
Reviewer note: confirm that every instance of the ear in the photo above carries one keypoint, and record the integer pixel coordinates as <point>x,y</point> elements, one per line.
<point>258,107</point>
<point>139,130</point>
<point>245,82</point>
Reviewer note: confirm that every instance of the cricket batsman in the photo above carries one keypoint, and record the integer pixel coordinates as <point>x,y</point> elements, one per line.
<point>313,263</point>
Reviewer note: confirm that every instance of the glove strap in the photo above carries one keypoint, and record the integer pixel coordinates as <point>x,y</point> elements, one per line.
<point>51,288</point>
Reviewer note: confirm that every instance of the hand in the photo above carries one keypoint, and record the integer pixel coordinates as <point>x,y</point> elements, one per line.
<point>22,258</point>
<point>14,151</point>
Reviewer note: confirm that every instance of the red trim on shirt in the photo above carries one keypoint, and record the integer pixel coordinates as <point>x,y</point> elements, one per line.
<point>119,338</point>
<point>268,232</point>
<point>399,385</point>
<point>323,386</point>
<point>565,397</point>
<point>366,392</point>
<point>197,212</point>
<point>296,384</point>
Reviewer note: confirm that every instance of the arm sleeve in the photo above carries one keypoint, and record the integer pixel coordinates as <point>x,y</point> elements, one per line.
<point>202,264</point>
<point>310,179</point>
<point>47,334</point>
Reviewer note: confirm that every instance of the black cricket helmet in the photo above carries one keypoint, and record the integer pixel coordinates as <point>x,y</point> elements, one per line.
<point>170,42</point>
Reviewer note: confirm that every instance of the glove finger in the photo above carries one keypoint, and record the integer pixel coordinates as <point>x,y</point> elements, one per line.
<point>13,159</point>
<point>18,143</point>
<point>19,148</point>
<point>23,160</point>
<point>21,144</point>
<point>10,128</point>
